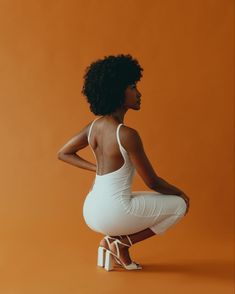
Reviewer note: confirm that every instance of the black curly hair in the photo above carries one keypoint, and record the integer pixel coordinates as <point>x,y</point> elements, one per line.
<point>105,81</point>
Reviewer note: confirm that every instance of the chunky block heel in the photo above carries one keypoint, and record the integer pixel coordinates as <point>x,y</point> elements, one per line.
<point>108,261</point>
<point>101,256</point>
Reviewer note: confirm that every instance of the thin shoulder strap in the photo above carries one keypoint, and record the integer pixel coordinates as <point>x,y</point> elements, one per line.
<point>89,132</point>
<point>118,138</point>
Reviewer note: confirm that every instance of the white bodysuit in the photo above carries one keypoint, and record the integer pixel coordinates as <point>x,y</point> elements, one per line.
<point>111,208</point>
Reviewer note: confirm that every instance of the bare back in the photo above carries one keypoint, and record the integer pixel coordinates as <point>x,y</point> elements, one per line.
<point>103,141</point>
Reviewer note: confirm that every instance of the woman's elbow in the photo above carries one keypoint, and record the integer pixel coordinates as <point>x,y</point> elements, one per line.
<point>60,155</point>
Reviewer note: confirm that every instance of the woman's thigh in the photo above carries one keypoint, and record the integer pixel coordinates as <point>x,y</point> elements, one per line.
<point>153,204</point>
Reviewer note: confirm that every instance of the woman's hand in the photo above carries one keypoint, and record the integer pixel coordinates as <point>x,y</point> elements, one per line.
<point>186,198</point>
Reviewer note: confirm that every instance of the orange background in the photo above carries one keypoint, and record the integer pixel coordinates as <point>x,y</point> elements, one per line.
<point>186,122</point>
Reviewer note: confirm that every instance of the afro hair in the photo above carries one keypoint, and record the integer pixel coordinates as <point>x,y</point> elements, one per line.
<point>105,81</point>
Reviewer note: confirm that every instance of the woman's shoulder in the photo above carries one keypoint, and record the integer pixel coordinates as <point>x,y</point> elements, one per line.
<point>129,131</point>
<point>129,137</point>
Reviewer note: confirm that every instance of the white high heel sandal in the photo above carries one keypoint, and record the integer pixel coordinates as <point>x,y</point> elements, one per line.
<point>110,257</point>
<point>101,251</point>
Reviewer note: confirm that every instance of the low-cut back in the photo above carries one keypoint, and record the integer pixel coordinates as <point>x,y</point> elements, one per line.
<point>127,161</point>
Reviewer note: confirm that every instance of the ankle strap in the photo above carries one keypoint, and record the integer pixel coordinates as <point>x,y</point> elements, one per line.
<point>120,242</point>
<point>129,239</point>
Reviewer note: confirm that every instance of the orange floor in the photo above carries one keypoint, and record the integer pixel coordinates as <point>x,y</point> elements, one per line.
<point>60,261</point>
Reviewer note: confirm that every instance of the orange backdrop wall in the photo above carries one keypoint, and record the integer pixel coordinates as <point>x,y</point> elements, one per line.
<point>186,119</point>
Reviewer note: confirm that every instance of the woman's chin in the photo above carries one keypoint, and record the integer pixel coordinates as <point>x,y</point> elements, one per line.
<point>136,106</point>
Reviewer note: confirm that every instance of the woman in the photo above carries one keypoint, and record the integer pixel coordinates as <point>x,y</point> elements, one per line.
<point>110,207</point>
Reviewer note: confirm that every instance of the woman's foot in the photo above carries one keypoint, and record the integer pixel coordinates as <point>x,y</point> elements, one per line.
<point>104,243</point>
<point>124,250</point>
<point>124,255</point>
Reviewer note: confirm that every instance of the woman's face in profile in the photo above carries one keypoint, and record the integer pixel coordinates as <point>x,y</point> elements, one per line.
<point>132,97</point>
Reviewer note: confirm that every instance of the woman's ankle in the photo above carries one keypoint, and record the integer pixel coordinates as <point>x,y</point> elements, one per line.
<point>116,237</point>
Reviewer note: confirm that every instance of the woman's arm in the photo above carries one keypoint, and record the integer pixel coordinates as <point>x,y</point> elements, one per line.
<point>162,186</point>
<point>134,145</point>
<point>68,152</point>
<point>77,161</point>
